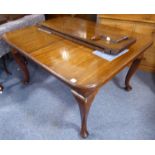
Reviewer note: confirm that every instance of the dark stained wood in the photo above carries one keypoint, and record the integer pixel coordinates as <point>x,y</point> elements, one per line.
<point>72,63</point>
<point>132,70</point>
<point>107,41</point>
<point>84,103</point>
<point>4,64</point>
<point>73,39</point>
<point>62,57</point>
<point>19,60</point>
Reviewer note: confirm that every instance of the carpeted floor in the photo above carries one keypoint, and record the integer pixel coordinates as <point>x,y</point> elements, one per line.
<point>45,108</point>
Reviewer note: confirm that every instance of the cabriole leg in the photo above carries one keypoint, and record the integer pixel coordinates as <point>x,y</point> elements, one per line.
<point>19,60</point>
<point>84,106</point>
<point>131,72</point>
<point>4,64</point>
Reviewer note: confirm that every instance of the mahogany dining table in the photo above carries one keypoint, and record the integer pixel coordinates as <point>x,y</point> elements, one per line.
<point>72,62</point>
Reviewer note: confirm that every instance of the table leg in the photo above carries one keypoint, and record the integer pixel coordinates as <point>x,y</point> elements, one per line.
<point>131,72</point>
<point>84,103</point>
<point>19,60</point>
<point>4,64</point>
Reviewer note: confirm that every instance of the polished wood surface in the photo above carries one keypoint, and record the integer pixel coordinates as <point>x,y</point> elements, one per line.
<point>84,106</point>
<point>135,23</point>
<point>89,34</point>
<point>73,63</point>
<point>69,60</point>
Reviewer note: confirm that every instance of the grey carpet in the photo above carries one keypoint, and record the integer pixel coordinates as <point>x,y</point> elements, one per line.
<point>45,108</point>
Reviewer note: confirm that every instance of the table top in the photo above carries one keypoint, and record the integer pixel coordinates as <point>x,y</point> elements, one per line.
<point>71,62</point>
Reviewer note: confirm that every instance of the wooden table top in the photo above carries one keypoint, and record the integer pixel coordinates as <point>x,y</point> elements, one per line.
<point>89,33</point>
<point>71,62</point>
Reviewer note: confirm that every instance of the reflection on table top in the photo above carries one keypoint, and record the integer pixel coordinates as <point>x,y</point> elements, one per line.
<point>71,62</point>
